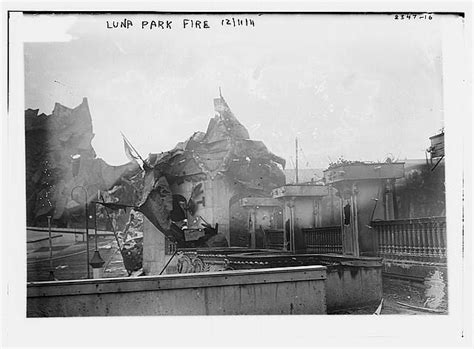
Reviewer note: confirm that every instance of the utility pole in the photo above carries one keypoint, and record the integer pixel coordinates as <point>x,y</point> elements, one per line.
<point>296,161</point>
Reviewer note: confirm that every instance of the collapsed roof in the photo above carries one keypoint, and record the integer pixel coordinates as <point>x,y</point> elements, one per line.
<point>224,149</point>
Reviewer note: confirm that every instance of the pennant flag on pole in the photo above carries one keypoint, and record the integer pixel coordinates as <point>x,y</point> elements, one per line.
<point>132,154</point>
<point>129,151</point>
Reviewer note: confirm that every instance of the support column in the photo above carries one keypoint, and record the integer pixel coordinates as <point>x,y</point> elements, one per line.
<point>252,227</point>
<point>349,219</point>
<point>346,229</point>
<point>388,200</point>
<point>394,198</point>
<point>355,221</point>
<point>286,225</point>
<point>317,213</point>
<point>153,248</point>
<point>291,206</point>
<point>333,221</point>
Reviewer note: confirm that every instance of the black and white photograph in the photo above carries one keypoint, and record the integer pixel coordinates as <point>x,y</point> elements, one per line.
<point>240,164</point>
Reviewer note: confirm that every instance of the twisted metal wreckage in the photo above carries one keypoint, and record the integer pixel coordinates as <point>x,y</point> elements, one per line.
<point>168,188</point>
<point>224,151</point>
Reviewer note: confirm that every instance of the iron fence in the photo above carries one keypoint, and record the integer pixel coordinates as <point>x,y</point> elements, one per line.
<point>323,239</point>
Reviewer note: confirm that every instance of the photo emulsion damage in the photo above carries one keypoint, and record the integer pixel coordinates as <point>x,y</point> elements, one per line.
<point>235,164</point>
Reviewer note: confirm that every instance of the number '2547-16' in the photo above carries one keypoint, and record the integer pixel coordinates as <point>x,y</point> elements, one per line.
<point>410,16</point>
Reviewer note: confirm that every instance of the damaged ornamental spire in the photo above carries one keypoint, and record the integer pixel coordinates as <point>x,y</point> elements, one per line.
<point>224,124</point>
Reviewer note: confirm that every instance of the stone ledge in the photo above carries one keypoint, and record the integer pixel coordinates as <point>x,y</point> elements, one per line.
<point>181,281</point>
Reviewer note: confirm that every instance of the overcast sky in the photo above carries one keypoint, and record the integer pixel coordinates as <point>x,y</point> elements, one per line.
<point>358,86</point>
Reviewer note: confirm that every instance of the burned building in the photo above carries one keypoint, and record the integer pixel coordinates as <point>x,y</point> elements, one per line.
<point>60,157</point>
<point>209,173</point>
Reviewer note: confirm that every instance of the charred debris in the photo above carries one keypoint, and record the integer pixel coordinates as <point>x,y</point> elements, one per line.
<point>169,188</point>
<point>222,162</point>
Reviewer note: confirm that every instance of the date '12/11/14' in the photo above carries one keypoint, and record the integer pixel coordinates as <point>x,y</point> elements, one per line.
<point>237,22</point>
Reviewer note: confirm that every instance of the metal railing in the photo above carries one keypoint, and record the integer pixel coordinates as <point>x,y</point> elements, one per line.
<point>421,239</point>
<point>323,239</point>
<point>274,239</point>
